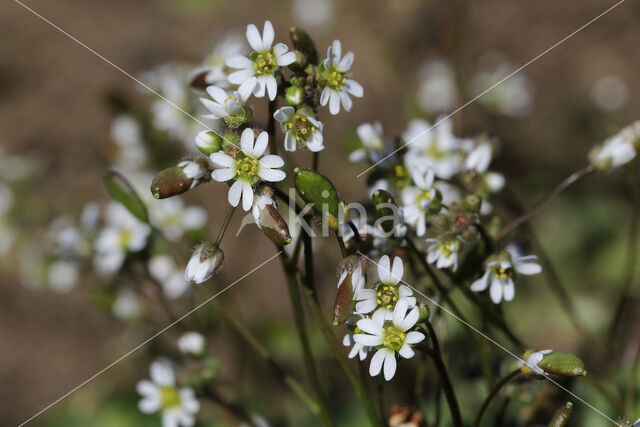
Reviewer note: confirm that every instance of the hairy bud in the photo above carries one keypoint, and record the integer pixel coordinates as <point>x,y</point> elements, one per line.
<point>178,179</point>
<point>204,263</point>
<point>561,417</point>
<point>303,43</point>
<point>208,142</point>
<point>294,95</point>
<point>268,219</point>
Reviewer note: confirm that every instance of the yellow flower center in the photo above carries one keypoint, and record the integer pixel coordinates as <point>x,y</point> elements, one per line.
<point>446,248</point>
<point>501,273</point>
<point>124,237</point>
<point>393,337</point>
<point>400,176</point>
<point>169,397</point>
<point>336,77</point>
<point>247,168</point>
<point>265,63</point>
<point>387,296</point>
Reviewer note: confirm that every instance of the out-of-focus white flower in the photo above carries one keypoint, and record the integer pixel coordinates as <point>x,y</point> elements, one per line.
<point>370,135</point>
<point>90,216</point>
<point>313,13</point>
<point>249,166</point>
<point>417,199</point>
<point>500,272</point>
<point>204,263</point>
<point>257,73</point>
<point>63,275</point>
<point>618,149</point>
<point>443,253</point>
<point>531,360</point>
<point>162,269</point>
<point>6,198</point>
<point>300,127</point>
<point>389,336</point>
<point>214,64</point>
<point>610,93</point>
<point>337,81</point>
<point>126,305</point>
<point>7,235</point>
<point>438,91</point>
<point>511,97</point>
<point>173,218</point>
<point>127,135</point>
<point>479,158</point>
<point>177,405</point>
<point>122,233</point>
<point>191,343</point>
<point>388,292</point>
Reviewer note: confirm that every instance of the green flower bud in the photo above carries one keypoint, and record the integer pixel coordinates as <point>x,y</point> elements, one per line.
<point>424,313</point>
<point>561,417</point>
<point>470,234</point>
<point>294,95</point>
<point>240,117</point>
<point>441,222</point>
<point>563,364</point>
<point>472,203</point>
<point>178,179</point>
<point>303,43</point>
<point>208,142</point>
<point>319,192</point>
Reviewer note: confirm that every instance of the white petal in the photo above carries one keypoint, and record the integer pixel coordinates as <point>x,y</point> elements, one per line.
<point>261,144</point>
<point>354,88</point>
<point>397,270</point>
<point>146,388</point>
<point>368,340</point>
<point>366,306</point>
<point>222,159</point>
<point>334,102</point>
<point>495,291</point>
<point>253,37</point>
<point>260,87</point>
<point>272,175</point>
<point>369,326</point>
<point>286,59</point>
<point>150,404</point>
<point>346,101</point>
<point>384,269</point>
<point>239,61</point>
<point>404,291</point>
<point>400,311</point>
<point>406,351</point>
<point>162,373</point>
<point>235,192</point>
<point>346,61</point>
<point>271,161</point>
<point>241,77</point>
<point>290,143</point>
<point>389,365</point>
<point>414,337</point>
<point>324,97</point>
<point>375,366</point>
<point>411,319</point>
<point>528,268</point>
<point>247,87</point>
<point>246,141</point>
<point>272,87</point>
<point>218,95</point>
<point>482,283</point>
<point>509,291</point>
<point>247,196</point>
<point>267,35</point>
<point>283,114</point>
<point>222,175</point>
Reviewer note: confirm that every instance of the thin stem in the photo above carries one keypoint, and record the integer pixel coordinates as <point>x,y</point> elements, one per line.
<point>542,203</point>
<point>447,385</point>
<point>271,127</point>
<point>237,410</point>
<point>343,249</point>
<point>284,377</point>
<point>225,224</point>
<point>493,393</point>
<point>315,161</point>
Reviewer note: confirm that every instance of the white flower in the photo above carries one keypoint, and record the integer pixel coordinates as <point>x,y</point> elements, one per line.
<point>370,135</point>
<point>191,343</point>
<point>224,105</point>
<point>356,348</point>
<point>530,364</point>
<point>313,13</point>
<point>417,199</point>
<point>232,44</point>
<point>437,92</point>
<point>127,134</point>
<point>126,305</point>
<point>178,405</point>
<point>512,97</point>
<point>618,149</point>
<point>63,275</point>
<point>249,166</point>
<point>204,262</point>
<point>444,253</point>
<point>388,292</point>
<point>338,83</point>
<point>300,127</point>
<point>501,271</point>
<point>162,269</point>
<point>257,72</point>
<point>479,158</point>
<point>610,93</point>
<point>123,233</point>
<point>173,218</point>
<point>389,337</point>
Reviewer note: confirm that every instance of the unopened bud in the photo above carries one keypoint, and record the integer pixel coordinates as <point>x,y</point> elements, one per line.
<point>470,234</point>
<point>238,118</point>
<point>268,219</point>
<point>441,222</point>
<point>424,313</point>
<point>208,142</point>
<point>294,95</point>
<point>303,43</point>
<point>561,417</point>
<point>204,263</point>
<point>178,179</point>
<point>472,203</point>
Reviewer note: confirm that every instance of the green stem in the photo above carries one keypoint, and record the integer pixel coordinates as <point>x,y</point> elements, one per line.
<point>237,410</point>
<point>284,377</point>
<point>309,362</point>
<point>225,224</point>
<point>493,393</point>
<point>447,385</point>
<point>632,382</point>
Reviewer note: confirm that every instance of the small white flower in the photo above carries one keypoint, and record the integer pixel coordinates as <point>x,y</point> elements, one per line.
<point>63,275</point>
<point>224,105</point>
<point>444,253</point>
<point>123,233</point>
<point>479,158</point>
<point>204,262</point>
<point>511,97</point>
<point>389,337</point>
<point>370,135</point>
<point>177,405</point>
<point>126,305</point>
<point>162,268</point>
<point>193,170</point>
<point>618,149</point>
<point>417,199</point>
<point>249,166</point>
<point>388,292</point>
<point>300,127</point>
<point>357,349</point>
<point>313,13</point>
<point>191,343</point>
<point>437,92</point>
<point>338,80</point>
<point>214,64</point>
<point>500,272</point>
<point>610,93</point>
<point>530,364</point>
<point>257,72</point>
<point>173,218</point>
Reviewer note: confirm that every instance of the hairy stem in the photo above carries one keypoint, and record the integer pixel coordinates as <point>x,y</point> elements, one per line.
<point>493,393</point>
<point>225,224</point>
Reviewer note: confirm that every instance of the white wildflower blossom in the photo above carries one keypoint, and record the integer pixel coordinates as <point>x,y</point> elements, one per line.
<point>437,92</point>
<point>389,336</point>
<point>126,305</point>
<point>249,166</point>
<point>500,272</point>
<point>337,79</point>
<point>173,218</point>
<point>214,64</point>
<point>617,150</point>
<point>300,127</point>
<point>370,135</point>
<point>177,405</point>
<point>257,73</point>
<point>313,13</point>
<point>191,343</point>
<point>63,275</point>
<point>224,105</point>
<point>416,200</point>
<point>443,252</point>
<point>530,364</point>
<point>479,158</point>
<point>163,270</point>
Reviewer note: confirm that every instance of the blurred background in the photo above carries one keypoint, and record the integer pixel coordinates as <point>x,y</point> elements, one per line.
<point>414,59</point>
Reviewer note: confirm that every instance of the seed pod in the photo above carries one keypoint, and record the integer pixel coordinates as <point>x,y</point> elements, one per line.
<point>386,207</point>
<point>561,417</point>
<point>563,364</point>
<point>303,43</point>
<point>351,277</point>
<point>320,193</point>
<point>178,179</point>
<point>268,218</point>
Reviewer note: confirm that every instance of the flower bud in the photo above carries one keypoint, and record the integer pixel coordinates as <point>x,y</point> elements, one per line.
<point>241,116</point>
<point>268,219</point>
<point>320,193</point>
<point>563,364</point>
<point>231,143</point>
<point>178,179</point>
<point>294,95</point>
<point>204,263</point>
<point>351,280</point>
<point>470,234</point>
<point>441,222</point>
<point>561,417</point>
<point>472,203</point>
<point>303,43</point>
<point>208,142</point>
<point>425,312</point>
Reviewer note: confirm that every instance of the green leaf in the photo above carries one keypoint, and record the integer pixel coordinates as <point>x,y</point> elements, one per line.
<point>122,192</point>
<point>564,364</point>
